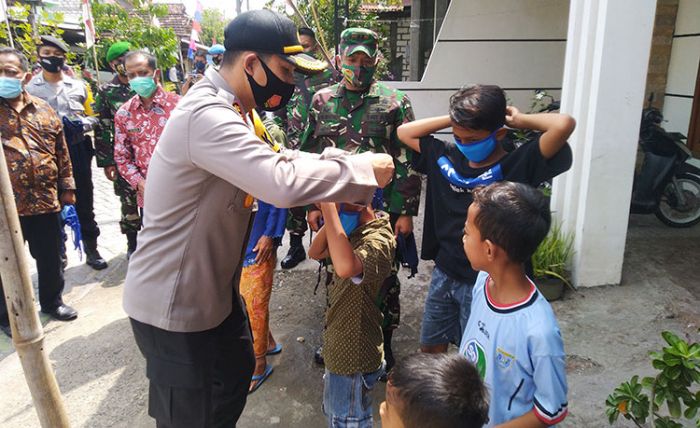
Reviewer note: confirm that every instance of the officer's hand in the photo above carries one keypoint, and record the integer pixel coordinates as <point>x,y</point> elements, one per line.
<point>314,218</point>
<point>383,166</point>
<point>111,172</point>
<point>67,197</point>
<point>403,226</point>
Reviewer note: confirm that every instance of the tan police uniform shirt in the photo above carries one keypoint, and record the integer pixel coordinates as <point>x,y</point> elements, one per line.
<point>184,275</point>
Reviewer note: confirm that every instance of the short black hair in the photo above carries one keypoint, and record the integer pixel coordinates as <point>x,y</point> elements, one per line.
<point>23,62</point>
<point>439,391</point>
<point>306,31</point>
<point>152,62</point>
<point>514,216</point>
<point>479,107</point>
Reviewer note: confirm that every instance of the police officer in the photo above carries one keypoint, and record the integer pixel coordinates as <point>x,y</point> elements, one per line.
<point>110,97</point>
<point>68,97</point>
<point>181,289</point>
<point>297,113</point>
<point>360,114</point>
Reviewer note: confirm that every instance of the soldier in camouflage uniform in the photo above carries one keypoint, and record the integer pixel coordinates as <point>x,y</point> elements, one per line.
<point>360,114</point>
<point>297,112</point>
<point>110,97</point>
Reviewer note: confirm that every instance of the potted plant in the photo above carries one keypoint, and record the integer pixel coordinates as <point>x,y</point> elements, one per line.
<point>551,261</point>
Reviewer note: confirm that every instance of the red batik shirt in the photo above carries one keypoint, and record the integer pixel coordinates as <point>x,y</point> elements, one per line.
<point>136,132</point>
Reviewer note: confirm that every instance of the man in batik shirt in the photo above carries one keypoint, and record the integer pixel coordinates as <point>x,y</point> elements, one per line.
<point>140,121</point>
<point>42,179</point>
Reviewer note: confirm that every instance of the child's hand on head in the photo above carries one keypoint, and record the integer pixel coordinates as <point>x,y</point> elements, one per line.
<point>512,116</point>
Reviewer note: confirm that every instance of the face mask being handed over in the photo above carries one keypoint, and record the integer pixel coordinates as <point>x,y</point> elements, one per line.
<point>359,77</point>
<point>52,64</point>
<point>478,151</point>
<point>349,220</point>
<point>275,94</point>
<point>144,86</point>
<point>10,88</point>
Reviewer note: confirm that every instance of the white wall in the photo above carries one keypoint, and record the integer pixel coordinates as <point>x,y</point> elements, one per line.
<point>683,68</point>
<point>516,44</point>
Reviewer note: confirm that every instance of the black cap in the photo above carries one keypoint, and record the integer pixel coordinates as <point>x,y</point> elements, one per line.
<point>53,41</point>
<point>269,32</point>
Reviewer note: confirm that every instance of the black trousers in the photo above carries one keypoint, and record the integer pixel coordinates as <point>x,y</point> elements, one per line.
<point>81,158</point>
<point>43,233</point>
<point>198,379</point>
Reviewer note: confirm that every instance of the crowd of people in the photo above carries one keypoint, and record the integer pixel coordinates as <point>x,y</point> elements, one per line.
<point>269,138</point>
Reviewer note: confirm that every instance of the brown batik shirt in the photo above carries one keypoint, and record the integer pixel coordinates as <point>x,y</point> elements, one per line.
<point>352,341</point>
<point>36,155</point>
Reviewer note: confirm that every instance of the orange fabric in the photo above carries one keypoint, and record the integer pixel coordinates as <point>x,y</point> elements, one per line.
<point>256,288</point>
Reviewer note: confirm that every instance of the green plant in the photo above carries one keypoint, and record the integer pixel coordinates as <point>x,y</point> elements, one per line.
<point>552,257</point>
<point>22,33</point>
<point>676,384</point>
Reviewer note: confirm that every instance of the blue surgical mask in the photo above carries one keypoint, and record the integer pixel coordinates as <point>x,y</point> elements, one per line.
<point>349,219</point>
<point>478,151</point>
<point>10,88</point>
<point>144,86</point>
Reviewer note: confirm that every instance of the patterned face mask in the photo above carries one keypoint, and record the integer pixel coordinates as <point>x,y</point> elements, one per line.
<point>359,77</point>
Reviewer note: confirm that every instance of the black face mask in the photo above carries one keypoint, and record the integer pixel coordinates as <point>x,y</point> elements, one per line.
<point>275,94</point>
<point>200,66</point>
<point>52,64</point>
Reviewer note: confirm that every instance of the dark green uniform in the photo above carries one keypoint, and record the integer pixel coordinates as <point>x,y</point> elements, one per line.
<point>110,97</point>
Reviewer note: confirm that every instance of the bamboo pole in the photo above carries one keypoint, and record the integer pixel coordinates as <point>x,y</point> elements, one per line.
<point>97,64</point>
<point>27,332</point>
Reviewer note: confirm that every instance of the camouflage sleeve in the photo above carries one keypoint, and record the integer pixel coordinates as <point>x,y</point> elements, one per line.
<point>276,131</point>
<point>403,195</point>
<point>104,131</point>
<point>308,141</point>
<point>296,122</point>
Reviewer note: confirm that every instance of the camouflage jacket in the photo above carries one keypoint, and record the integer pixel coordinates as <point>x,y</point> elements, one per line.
<point>110,97</point>
<point>298,106</point>
<point>368,123</point>
<point>36,155</point>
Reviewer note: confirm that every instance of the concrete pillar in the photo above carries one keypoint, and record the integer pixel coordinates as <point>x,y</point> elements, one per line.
<point>415,54</point>
<point>603,88</point>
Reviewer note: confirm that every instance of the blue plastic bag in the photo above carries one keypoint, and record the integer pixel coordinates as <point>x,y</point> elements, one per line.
<point>70,218</point>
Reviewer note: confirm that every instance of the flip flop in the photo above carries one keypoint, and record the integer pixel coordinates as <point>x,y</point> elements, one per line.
<point>276,350</point>
<point>259,379</point>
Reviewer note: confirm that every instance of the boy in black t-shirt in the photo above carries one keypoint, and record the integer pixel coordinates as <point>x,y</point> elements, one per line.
<point>477,116</point>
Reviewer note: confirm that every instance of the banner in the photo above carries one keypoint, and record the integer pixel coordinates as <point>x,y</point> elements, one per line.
<point>196,29</point>
<point>89,25</point>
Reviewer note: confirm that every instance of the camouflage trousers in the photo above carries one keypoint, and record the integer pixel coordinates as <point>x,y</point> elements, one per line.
<point>296,221</point>
<point>130,219</point>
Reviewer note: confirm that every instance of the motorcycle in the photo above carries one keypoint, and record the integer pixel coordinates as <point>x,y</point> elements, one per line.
<point>667,185</point>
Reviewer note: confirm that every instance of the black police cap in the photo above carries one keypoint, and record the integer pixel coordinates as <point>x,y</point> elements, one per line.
<point>53,41</point>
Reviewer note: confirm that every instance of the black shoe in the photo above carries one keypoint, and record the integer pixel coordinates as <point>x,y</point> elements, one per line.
<point>318,356</point>
<point>131,244</point>
<point>62,313</point>
<point>295,256</point>
<point>7,330</point>
<point>92,256</point>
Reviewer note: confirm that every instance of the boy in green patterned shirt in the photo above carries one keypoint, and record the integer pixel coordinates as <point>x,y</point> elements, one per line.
<point>361,245</point>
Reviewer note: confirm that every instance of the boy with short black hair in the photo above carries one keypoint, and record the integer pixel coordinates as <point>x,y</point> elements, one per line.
<point>478,114</point>
<point>361,245</point>
<point>512,336</point>
<point>434,390</point>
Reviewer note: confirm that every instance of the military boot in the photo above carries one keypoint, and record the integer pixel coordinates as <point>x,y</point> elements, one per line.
<point>296,252</point>
<point>93,257</point>
<point>131,244</point>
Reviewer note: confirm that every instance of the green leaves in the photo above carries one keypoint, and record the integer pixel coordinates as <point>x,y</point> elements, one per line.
<point>553,255</point>
<point>676,385</point>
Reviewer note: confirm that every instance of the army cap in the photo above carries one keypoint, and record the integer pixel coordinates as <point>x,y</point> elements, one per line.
<point>265,31</point>
<point>53,41</point>
<point>358,40</point>
<point>117,49</point>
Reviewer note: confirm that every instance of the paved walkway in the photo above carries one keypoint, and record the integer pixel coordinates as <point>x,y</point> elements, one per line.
<point>608,332</point>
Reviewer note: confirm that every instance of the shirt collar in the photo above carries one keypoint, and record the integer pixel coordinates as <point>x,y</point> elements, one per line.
<point>224,90</point>
<point>158,98</point>
<point>28,101</point>
<point>373,91</point>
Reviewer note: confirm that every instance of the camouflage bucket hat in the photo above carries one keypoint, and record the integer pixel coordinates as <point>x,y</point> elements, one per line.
<point>358,40</point>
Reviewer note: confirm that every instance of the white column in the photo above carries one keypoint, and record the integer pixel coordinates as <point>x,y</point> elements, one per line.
<point>603,88</point>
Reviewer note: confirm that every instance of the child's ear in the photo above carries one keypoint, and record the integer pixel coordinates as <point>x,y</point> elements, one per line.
<point>501,134</point>
<point>491,249</point>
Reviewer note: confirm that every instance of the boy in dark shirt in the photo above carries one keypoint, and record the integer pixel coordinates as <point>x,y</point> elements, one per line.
<point>477,116</point>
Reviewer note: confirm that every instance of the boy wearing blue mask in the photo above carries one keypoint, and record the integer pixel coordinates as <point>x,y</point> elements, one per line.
<point>473,157</point>
<point>361,245</point>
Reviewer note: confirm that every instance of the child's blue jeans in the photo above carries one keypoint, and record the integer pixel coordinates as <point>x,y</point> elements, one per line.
<point>346,399</point>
